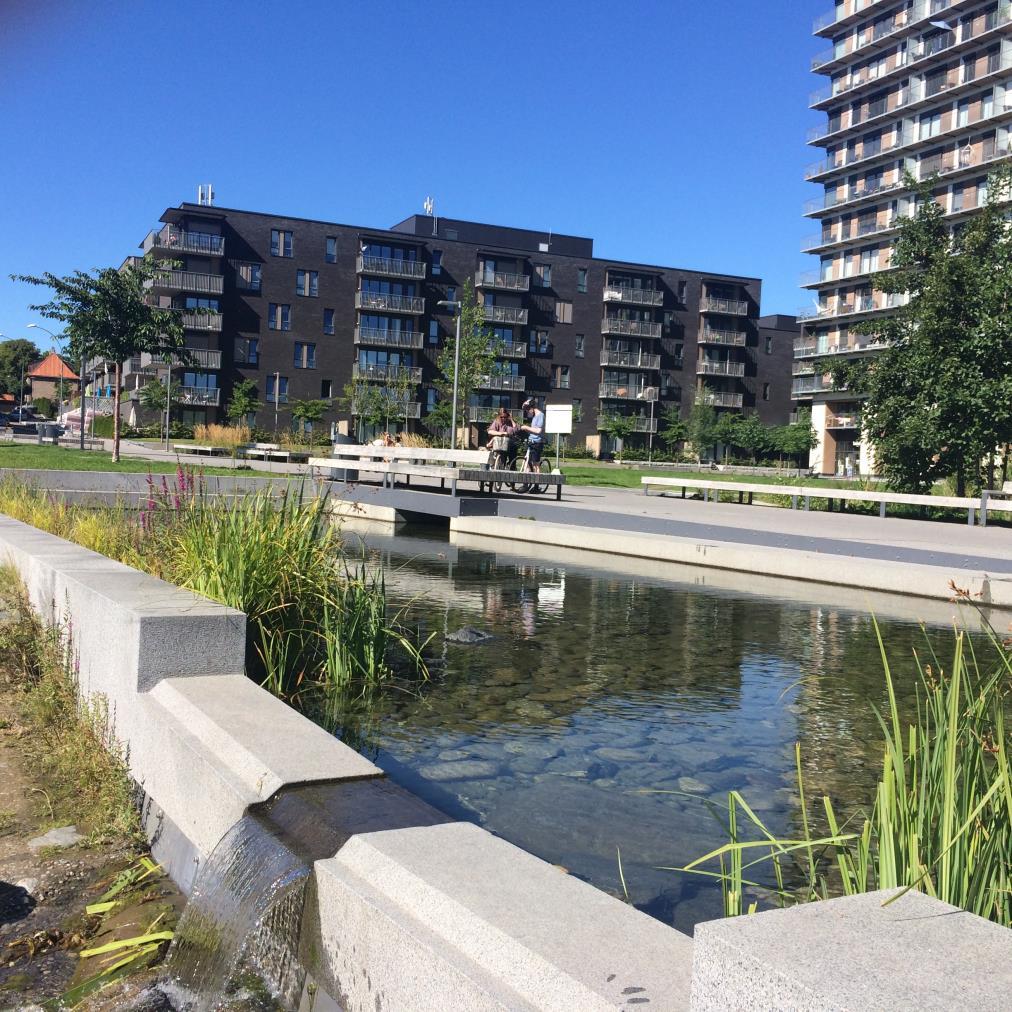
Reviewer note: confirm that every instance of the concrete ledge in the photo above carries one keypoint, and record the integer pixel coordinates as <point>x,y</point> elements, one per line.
<point>871,574</point>
<point>854,954</point>
<point>349,510</point>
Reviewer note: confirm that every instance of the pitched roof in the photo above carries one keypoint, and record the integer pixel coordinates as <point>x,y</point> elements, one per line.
<point>52,367</point>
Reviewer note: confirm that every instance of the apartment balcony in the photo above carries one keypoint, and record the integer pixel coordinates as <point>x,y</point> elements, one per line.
<point>172,239</point>
<point>481,415</point>
<point>407,409</point>
<point>502,280</point>
<point>136,366</point>
<point>729,338</point>
<point>504,381</point>
<point>187,281</point>
<point>414,270</point>
<point>506,314</point>
<point>629,359</point>
<point>846,159</point>
<point>804,348</point>
<point>385,302</point>
<point>630,328</point>
<point>950,162</point>
<point>853,306</point>
<point>628,296</point>
<point>196,358</point>
<point>387,373</point>
<point>202,397</point>
<point>198,320</point>
<point>830,202</point>
<point>730,307</point>
<point>513,349</point>
<point>720,399</point>
<point>734,369</point>
<point>812,384</point>
<point>389,338</point>
<point>620,392</point>
<point>641,423</point>
<point>843,422</point>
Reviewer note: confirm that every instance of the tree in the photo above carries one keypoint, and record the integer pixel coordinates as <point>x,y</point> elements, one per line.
<point>938,397</point>
<point>701,428</point>
<point>106,315</point>
<point>16,358</point>
<point>363,401</point>
<point>43,406</point>
<point>795,439</point>
<point>750,434</point>
<point>725,430</point>
<point>479,354</point>
<point>619,427</point>
<point>152,395</point>
<point>676,428</point>
<point>308,412</point>
<point>243,402</point>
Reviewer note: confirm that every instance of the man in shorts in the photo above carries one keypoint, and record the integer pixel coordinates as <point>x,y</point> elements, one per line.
<point>535,429</point>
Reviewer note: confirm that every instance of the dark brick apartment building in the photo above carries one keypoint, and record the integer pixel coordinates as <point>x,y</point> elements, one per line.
<point>302,307</point>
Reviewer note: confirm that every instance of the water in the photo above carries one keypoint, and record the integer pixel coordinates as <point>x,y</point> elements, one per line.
<point>601,684</point>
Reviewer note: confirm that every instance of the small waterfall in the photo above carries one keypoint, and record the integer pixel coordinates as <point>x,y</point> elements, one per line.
<point>246,907</point>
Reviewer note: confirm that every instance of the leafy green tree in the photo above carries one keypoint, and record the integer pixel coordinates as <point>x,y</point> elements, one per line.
<point>725,429</point>
<point>105,314</point>
<point>795,439</point>
<point>676,428</point>
<point>939,395</point>
<point>16,358</point>
<point>243,402</point>
<point>43,406</point>
<point>308,412</point>
<point>701,428</point>
<point>619,427</point>
<point>152,395</point>
<point>364,402</point>
<point>750,434</point>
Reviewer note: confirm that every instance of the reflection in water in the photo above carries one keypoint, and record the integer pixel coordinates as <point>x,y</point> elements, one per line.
<point>599,685</point>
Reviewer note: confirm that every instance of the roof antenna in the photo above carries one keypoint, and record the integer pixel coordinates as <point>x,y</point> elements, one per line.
<point>205,198</point>
<point>429,207</point>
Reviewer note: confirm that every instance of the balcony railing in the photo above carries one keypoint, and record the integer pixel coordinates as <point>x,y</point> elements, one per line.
<point>804,348</point>
<point>502,279</point>
<point>847,307</point>
<point>176,240</point>
<point>965,158</point>
<point>187,281</point>
<point>504,381</point>
<point>732,307</point>
<point>200,396</point>
<point>633,296</point>
<point>731,338</point>
<point>136,366</point>
<point>403,409</point>
<point>630,328</point>
<point>196,320</point>
<point>389,338</point>
<point>387,373</point>
<point>513,349</point>
<point>481,415</point>
<point>811,384</point>
<point>843,422</point>
<point>704,368</point>
<point>197,358</point>
<point>720,399</point>
<point>506,314</point>
<point>630,359</point>
<point>828,201</point>
<point>621,391</point>
<point>641,423</point>
<point>391,303</point>
<point>390,267</point>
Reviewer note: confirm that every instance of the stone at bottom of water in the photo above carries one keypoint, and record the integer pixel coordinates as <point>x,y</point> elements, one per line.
<point>466,769</point>
<point>692,785</point>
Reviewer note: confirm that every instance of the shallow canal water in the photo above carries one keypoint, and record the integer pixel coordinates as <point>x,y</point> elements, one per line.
<point>602,683</point>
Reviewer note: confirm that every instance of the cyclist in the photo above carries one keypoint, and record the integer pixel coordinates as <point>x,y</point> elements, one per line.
<point>502,436</point>
<point>535,430</point>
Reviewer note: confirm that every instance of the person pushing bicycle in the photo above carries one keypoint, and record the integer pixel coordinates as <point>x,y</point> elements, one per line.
<point>535,429</point>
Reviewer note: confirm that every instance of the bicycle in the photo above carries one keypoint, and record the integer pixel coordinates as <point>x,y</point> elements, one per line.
<point>499,458</point>
<point>526,467</point>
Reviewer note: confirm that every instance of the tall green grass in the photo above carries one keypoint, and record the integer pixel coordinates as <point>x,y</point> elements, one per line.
<point>940,819</point>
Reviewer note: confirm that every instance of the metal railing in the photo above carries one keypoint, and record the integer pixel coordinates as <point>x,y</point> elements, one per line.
<point>811,384</point>
<point>505,314</point>
<point>393,303</point>
<point>402,409</point>
<point>202,396</point>
<point>480,414</point>
<point>630,328</point>
<point>197,358</point>
<point>720,399</point>
<point>830,201</point>
<point>502,279</point>
<point>197,320</point>
<point>504,381</point>
<point>732,307</point>
<point>389,338</point>
<point>843,422</point>
<point>630,359</point>
<point>816,349</point>
<point>391,267</point>
<point>732,338</point>
<point>704,368</point>
<point>513,349</point>
<point>620,391</point>
<point>633,296</point>
<point>964,158</point>
<point>387,373</point>
<point>188,281</point>
<point>177,240</point>
<point>641,423</point>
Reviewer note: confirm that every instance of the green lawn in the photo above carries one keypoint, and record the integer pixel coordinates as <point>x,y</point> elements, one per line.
<point>62,458</point>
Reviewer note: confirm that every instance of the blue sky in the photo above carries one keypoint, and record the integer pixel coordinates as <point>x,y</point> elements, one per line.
<point>670,132</point>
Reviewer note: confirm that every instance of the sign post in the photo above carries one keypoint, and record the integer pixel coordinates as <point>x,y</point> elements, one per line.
<point>558,420</point>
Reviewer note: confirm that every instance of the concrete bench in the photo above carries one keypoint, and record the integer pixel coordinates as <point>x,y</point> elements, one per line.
<point>210,451</point>
<point>276,453</point>
<point>807,492</point>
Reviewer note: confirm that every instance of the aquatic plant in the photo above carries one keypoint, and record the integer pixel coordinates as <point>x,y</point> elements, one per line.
<point>940,820</point>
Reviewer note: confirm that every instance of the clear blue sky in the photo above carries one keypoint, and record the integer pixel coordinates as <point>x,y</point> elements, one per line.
<point>671,132</point>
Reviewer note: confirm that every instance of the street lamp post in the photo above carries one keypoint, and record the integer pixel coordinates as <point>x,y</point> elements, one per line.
<point>458,307</point>
<point>649,394</point>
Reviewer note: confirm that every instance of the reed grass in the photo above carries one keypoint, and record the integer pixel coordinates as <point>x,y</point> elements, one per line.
<point>230,436</point>
<point>940,819</point>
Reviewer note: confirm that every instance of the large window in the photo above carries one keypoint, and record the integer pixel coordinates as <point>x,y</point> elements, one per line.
<point>192,302</point>
<point>307,283</point>
<point>581,280</point>
<point>328,321</point>
<point>247,350</point>
<point>277,392</point>
<point>580,346</point>
<point>543,275</point>
<point>539,342</point>
<point>561,377</point>
<point>281,243</point>
<point>247,276</point>
<point>563,311</point>
<point>331,254</point>
<point>279,317</point>
<point>305,355</point>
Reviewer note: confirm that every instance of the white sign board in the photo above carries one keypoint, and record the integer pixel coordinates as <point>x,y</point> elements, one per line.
<point>558,419</point>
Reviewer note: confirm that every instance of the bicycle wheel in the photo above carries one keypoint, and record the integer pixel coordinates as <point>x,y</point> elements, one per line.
<point>498,463</point>
<point>520,486</point>
<point>539,487</point>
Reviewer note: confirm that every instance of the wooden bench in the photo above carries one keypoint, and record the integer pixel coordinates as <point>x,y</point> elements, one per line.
<point>807,492</point>
<point>211,451</point>
<point>274,451</point>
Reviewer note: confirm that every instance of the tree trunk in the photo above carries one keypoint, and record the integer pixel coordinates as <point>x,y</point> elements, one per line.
<point>960,480</point>
<point>115,414</point>
<point>1004,463</point>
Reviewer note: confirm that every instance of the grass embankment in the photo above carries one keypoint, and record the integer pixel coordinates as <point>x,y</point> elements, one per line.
<point>62,458</point>
<point>587,473</point>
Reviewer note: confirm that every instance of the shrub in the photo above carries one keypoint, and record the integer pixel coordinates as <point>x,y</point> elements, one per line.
<point>43,406</point>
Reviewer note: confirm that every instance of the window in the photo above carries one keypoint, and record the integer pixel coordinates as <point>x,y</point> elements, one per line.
<point>281,243</point>
<point>331,254</point>
<point>581,280</point>
<point>279,317</point>
<point>451,293</point>
<point>561,381</point>
<point>577,409</point>
<point>563,311</point>
<point>328,321</point>
<point>769,344</point>
<point>957,199</point>
<point>539,342</point>
<point>433,332</point>
<point>307,283</point>
<point>580,346</point>
<point>543,275</point>
<point>305,355</point>
<point>430,398</point>
<point>277,394</point>
<point>931,125</point>
<point>766,391</point>
<point>437,262</point>
<point>247,350</point>
<point>326,389</point>
<point>192,302</point>
<point>200,380</point>
<point>247,276</point>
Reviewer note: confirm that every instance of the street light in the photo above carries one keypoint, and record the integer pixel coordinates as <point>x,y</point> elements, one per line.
<point>649,394</point>
<point>458,308</point>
